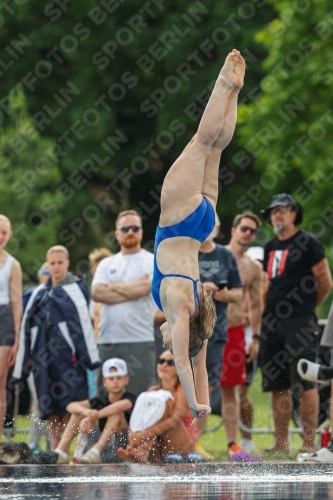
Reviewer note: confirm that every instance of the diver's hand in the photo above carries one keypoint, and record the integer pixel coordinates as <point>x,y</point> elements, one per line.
<point>200,411</point>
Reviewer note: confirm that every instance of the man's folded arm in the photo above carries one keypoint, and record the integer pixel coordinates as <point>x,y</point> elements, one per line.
<point>118,292</point>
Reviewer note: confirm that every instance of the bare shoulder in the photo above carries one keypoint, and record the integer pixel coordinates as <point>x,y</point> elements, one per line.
<point>256,266</point>
<point>252,264</point>
<point>16,268</point>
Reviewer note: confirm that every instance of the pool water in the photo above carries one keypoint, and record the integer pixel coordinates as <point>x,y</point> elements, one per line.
<point>222,481</point>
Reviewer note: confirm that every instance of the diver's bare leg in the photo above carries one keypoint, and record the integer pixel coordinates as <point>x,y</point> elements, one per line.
<point>210,182</point>
<point>185,179</point>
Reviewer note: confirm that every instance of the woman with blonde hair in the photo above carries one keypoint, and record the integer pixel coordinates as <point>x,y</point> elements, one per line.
<point>10,310</point>
<point>57,343</point>
<point>188,202</point>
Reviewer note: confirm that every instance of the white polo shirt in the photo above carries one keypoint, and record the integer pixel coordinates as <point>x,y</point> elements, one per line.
<point>133,320</point>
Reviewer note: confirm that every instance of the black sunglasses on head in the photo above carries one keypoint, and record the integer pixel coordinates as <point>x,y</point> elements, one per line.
<point>169,362</point>
<point>125,229</point>
<point>247,228</point>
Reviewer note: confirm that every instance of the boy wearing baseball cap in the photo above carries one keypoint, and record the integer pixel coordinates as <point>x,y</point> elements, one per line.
<point>112,409</point>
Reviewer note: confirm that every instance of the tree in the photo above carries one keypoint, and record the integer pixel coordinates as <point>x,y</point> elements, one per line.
<point>121,88</point>
<point>28,176</point>
<point>286,132</point>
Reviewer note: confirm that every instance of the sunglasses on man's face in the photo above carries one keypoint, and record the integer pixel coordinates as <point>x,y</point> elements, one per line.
<point>247,228</point>
<point>169,362</point>
<point>125,229</point>
<point>281,210</point>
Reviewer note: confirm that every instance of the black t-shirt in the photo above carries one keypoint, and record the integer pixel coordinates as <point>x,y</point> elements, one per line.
<point>292,290</point>
<point>102,401</point>
<point>218,265</point>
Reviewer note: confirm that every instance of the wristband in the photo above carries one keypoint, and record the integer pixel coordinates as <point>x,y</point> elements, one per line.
<point>256,336</point>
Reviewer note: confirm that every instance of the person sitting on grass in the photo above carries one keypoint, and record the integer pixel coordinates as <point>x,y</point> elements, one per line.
<point>160,425</point>
<point>112,410</point>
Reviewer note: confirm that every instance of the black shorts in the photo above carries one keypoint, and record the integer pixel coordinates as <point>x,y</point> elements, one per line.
<point>283,343</point>
<point>7,330</point>
<point>214,359</point>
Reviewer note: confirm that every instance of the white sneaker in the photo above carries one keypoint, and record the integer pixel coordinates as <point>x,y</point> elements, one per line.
<point>248,445</point>
<point>323,455</point>
<point>309,371</point>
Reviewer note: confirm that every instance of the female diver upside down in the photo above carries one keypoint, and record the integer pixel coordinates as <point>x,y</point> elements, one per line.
<point>188,202</point>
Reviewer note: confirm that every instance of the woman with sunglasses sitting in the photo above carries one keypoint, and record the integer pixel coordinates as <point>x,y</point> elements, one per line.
<point>172,433</point>
<point>188,201</point>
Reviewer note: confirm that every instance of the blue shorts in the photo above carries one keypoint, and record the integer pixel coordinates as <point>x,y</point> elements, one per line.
<point>214,358</point>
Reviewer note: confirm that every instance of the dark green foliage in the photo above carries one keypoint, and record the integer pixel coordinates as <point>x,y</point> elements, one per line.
<point>28,177</point>
<point>149,109</point>
<point>122,92</point>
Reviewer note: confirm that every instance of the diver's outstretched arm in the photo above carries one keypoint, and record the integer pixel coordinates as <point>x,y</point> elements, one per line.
<point>201,376</point>
<point>180,346</point>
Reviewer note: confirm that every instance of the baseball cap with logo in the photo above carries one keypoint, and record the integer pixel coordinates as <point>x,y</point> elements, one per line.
<point>117,363</point>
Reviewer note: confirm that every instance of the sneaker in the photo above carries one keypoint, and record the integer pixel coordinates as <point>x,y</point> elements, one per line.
<point>194,458</point>
<point>90,458</point>
<point>309,371</point>
<point>234,448</point>
<point>173,458</point>
<point>323,455</point>
<point>242,456</point>
<point>237,454</point>
<point>248,445</point>
<point>49,457</point>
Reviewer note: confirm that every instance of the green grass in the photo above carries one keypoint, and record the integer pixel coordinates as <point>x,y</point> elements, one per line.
<point>216,442</point>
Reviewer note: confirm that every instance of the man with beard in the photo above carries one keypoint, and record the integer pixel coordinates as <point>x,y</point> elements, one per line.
<point>299,281</point>
<point>122,284</point>
<point>244,229</point>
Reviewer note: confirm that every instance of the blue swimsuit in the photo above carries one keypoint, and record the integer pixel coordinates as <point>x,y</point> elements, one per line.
<point>198,225</point>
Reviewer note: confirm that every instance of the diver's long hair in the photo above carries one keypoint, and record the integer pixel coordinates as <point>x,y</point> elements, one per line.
<point>202,327</point>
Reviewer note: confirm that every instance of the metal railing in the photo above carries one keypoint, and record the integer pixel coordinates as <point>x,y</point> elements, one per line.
<point>9,431</point>
<point>268,430</point>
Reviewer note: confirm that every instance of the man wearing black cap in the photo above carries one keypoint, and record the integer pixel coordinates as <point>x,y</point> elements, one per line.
<point>299,281</point>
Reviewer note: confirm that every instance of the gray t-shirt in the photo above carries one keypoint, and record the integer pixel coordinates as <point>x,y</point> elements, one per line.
<point>218,265</point>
